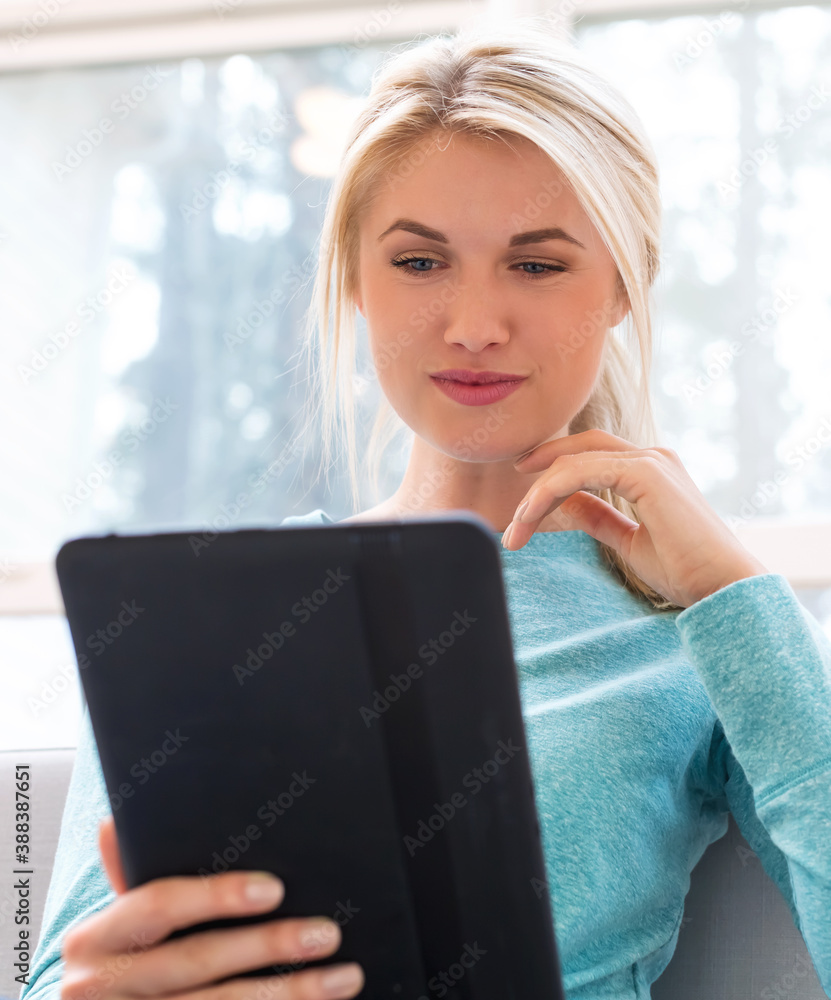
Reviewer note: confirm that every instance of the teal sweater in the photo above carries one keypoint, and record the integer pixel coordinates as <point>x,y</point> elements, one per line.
<point>644,728</point>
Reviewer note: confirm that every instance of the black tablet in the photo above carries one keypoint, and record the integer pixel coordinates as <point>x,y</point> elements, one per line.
<point>337,704</point>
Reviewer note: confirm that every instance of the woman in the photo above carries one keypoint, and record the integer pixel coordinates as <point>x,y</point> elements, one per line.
<point>666,674</point>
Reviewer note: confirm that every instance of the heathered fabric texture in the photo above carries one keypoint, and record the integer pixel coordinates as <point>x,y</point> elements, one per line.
<point>644,729</point>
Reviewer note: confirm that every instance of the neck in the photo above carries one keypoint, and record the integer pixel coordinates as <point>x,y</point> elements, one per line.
<point>434,481</point>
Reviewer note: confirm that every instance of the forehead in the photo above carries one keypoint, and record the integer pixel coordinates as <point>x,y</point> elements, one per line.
<point>466,184</point>
<point>506,156</point>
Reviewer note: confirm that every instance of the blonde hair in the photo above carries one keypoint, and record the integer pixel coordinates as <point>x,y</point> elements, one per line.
<point>496,81</point>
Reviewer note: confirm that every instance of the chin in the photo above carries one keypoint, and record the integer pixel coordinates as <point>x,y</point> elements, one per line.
<point>467,449</point>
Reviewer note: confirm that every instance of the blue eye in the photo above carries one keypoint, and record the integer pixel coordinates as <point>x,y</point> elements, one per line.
<point>414,260</point>
<point>531,275</point>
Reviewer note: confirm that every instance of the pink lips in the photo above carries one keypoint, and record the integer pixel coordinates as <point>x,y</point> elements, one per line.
<point>456,383</point>
<point>468,376</point>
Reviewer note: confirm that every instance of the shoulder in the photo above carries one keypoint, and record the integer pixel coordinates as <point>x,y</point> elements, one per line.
<point>381,512</point>
<point>317,516</point>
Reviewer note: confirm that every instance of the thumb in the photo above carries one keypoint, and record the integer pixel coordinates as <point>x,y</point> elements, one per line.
<point>108,846</point>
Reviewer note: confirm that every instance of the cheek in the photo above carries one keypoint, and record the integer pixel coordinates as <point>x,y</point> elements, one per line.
<point>580,339</point>
<point>391,348</point>
<point>393,357</point>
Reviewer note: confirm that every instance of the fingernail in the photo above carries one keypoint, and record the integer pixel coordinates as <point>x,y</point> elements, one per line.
<point>318,933</point>
<point>263,887</point>
<point>506,537</point>
<point>341,980</point>
<point>523,509</point>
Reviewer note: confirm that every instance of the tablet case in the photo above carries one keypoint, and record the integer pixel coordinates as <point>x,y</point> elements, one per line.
<point>337,704</point>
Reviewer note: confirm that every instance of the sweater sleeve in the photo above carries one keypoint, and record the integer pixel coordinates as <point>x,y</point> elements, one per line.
<point>766,665</point>
<point>79,885</point>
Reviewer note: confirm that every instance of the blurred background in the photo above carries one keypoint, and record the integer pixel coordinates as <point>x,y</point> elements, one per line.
<point>165,166</point>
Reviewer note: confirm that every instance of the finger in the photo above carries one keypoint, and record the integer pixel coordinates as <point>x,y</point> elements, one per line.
<point>152,911</point>
<point>108,846</point>
<point>628,475</point>
<point>311,984</point>
<point>207,956</point>
<point>584,512</point>
<point>543,455</point>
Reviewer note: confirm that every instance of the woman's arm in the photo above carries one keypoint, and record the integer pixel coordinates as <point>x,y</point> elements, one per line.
<point>766,665</point>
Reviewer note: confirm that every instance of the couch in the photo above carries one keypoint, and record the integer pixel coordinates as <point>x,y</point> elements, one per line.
<point>737,940</point>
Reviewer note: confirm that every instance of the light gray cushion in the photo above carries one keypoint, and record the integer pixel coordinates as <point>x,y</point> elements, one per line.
<point>49,773</point>
<point>737,939</point>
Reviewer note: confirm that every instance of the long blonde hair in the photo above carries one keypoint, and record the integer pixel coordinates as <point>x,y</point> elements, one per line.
<point>495,81</point>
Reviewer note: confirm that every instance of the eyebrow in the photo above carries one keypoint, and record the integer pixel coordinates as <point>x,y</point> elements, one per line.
<point>518,240</point>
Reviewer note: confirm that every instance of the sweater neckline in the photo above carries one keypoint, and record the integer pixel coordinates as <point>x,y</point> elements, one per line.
<point>576,539</point>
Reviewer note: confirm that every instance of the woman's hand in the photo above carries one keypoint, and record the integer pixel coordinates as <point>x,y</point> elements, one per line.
<point>682,548</point>
<point>115,953</point>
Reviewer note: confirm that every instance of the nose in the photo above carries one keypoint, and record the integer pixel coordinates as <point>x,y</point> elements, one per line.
<point>475,317</point>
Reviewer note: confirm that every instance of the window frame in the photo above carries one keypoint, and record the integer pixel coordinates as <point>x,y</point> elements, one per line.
<point>94,32</point>
<point>799,549</point>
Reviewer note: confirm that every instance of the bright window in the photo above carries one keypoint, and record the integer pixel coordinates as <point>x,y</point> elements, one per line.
<point>158,228</point>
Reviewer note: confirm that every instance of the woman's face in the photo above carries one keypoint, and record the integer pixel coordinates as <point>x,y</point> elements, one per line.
<point>466,298</point>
